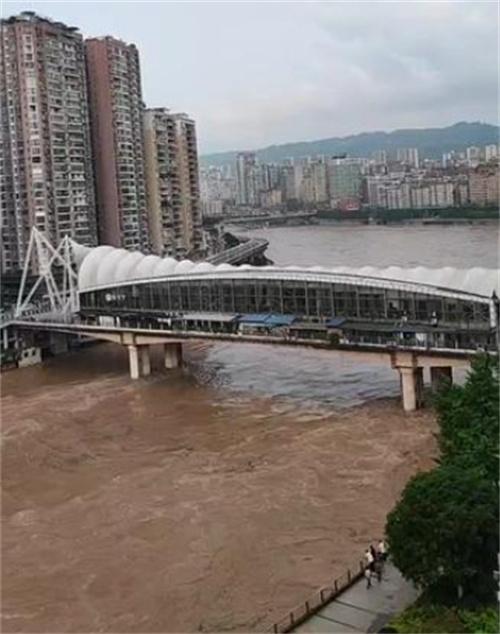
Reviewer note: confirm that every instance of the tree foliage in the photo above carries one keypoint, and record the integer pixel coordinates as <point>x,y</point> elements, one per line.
<point>469,419</point>
<point>443,533</point>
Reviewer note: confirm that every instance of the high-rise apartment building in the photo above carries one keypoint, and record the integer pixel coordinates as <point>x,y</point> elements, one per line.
<point>344,180</point>
<point>490,152</point>
<point>246,179</point>
<point>116,116</point>
<point>484,188</point>
<point>409,156</point>
<point>45,151</point>
<point>173,194</point>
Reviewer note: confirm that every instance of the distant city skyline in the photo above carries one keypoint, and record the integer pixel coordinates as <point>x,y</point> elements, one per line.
<point>255,74</point>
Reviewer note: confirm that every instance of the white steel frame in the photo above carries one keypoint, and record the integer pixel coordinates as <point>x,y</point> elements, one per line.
<point>63,299</point>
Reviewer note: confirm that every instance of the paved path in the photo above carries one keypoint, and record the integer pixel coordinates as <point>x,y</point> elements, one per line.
<point>362,609</point>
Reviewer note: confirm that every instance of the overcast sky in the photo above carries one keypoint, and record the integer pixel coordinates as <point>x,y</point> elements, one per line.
<point>256,73</point>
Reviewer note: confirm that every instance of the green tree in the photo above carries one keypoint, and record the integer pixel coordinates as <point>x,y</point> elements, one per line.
<point>469,419</point>
<point>443,534</point>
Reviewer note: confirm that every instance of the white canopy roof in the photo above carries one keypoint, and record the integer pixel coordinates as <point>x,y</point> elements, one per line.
<point>108,266</point>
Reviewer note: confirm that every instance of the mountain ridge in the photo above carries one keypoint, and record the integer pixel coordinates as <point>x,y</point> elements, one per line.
<point>431,143</point>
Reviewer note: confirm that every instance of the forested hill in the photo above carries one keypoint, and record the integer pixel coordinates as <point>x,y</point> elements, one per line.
<point>431,143</point>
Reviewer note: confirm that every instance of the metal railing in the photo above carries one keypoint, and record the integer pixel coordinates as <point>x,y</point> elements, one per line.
<point>318,600</point>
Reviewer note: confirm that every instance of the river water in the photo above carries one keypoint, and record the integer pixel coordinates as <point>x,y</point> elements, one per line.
<point>218,496</point>
<point>309,375</point>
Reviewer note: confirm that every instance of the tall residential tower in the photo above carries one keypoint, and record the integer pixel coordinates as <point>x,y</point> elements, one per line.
<point>173,194</point>
<point>45,150</point>
<point>116,115</point>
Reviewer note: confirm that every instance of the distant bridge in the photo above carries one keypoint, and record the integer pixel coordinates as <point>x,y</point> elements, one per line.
<point>417,318</point>
<point>271,218</point>
<point>246,251</point>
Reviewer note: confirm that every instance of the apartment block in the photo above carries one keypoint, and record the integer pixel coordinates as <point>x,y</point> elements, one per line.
<point>344,179</point>
<point>116,115</point>
<point>45,150</point>
<point>247,179</point>
<point>173,193</point>
<point>409,156</point>
<point>484,187</point>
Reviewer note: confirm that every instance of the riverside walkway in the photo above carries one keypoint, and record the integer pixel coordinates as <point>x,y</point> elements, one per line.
<point>362,609</point>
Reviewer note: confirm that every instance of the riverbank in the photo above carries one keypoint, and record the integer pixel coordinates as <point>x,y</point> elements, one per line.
<point>459,215</point>
<point>195,509</point>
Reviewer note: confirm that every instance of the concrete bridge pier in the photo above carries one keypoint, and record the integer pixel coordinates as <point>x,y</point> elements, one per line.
<point>58,343</point>
<point>411,371</point>
<point>173,355</point>
<point>412,387</point>
<point>441,375</point>
<point>139,361</point>
<point>133,360</point>
<point>411,377</point>
<point>145,360</point>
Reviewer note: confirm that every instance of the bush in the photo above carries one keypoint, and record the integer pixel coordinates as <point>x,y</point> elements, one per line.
<point>432,618</point>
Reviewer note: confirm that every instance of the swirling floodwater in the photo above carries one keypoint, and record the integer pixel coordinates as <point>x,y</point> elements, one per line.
<point>218,496</point>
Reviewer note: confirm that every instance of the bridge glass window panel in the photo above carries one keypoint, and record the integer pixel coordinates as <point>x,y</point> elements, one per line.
<point>371,303</point>
<point>88,300</point>
<point>394,307</point>
<point>175,297</point>
<point>467,309</point>
<point>97,299</point>
<point>451,310</point>
<point>407,305</point>
<point>325,303</point>
<point>428,308</point>
<point>205,297</point>
<point>227,297</point>
<point>301,307</point>
<point>157,291</point>
<point>133,298</point>
<point>273,297</point>
<point>184,297</point>
<point>252,297</point>
<point>241,302</point>
<point>145,296</point>
<point>289,306</point>
<point>345,300</point>
<point>194,296</point>
<point>261,296</point>
<point>312,294</point>
<point>481,313</point>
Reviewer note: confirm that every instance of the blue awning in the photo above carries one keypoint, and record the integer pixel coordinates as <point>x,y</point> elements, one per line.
<point>335,322</point>
<point>253,318</point>
<point>280,320</point>
<point>267,320</point>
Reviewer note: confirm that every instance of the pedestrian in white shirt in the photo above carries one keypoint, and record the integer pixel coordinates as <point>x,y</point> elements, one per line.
<point>382,550</point>
<point>369,558</point>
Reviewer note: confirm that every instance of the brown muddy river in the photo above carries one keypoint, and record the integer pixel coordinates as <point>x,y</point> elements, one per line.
<point>211,498</point>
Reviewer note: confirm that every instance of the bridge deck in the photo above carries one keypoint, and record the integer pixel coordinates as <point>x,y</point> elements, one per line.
<point>147,336</point>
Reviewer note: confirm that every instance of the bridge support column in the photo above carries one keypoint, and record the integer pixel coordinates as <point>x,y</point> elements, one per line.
<point>441,376</point>
<point>173,355</point>
<point>412,386</point>
<point>145,360</point>
<point>133,358</point>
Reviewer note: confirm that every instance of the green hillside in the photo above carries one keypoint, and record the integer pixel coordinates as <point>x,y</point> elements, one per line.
<point>431,143</point>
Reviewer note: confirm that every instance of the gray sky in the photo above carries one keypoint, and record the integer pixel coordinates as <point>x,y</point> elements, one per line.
<point>257,73</point>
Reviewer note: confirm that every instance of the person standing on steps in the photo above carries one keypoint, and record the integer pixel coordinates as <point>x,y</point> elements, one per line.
<point>382,550</point>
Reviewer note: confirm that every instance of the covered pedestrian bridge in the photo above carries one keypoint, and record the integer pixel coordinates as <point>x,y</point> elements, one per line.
<point>406,313</point>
